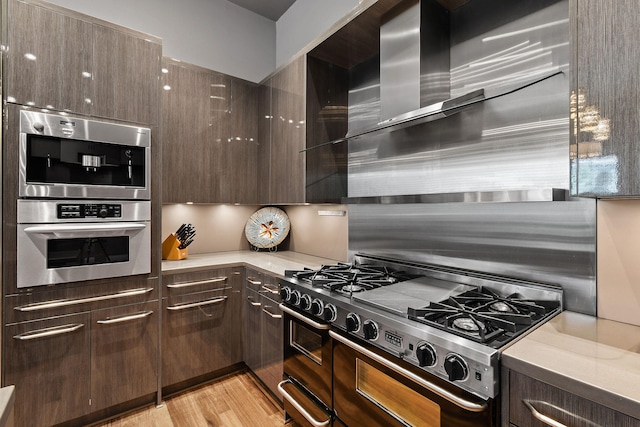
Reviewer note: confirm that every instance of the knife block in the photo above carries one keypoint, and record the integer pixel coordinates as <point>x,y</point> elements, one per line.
<point>170,249</point>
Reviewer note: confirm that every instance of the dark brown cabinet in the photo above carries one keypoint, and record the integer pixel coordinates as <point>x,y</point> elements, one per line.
<point>210,140</point>
<point>604,104</point>
<point>201,325</point>
<point>263,329</point>
<point>61,60</point>
<point>532,403</point>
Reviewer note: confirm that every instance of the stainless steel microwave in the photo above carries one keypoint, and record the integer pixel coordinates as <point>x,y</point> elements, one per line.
<point>70,157</point>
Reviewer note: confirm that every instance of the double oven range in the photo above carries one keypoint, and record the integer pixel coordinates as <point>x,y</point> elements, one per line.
<point>389,343</point>
<point>83,208</point>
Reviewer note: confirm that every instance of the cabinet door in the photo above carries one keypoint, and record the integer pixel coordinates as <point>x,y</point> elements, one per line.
<point>605,101</point>
<point>48,361</point>
<point>241,152</point>
<point>272,344</point>
<point>186,135</point>
<point>124,354</point>
<point>201,331</point>
<point>252,335</point>
<point>48,59</point>
<point>288,137</point>
<point>125,73</point>
<point>264,142</point>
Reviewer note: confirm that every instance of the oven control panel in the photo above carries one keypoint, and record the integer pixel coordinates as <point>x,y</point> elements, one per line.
<point>82,210</point>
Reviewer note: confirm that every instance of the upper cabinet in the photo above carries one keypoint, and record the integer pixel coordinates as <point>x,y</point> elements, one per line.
<point>604,100</point>
<point>61,60</point>
<point>210,136</point>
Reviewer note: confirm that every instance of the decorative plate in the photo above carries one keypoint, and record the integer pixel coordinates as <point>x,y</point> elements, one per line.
<point>267,228</point>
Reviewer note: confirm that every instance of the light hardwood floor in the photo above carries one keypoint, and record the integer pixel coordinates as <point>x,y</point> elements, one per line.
<point>236,400</point>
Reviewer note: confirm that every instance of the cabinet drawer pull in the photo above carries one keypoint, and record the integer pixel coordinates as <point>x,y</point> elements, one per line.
<point>541,417</point>
<point>48,332</point>
<point>272,315</point>
<point>196,304</point>
<point>112,320</point>
<point>252,302</point>
<point>271,289</point>
<point>299,407</point>
<point>66,302</point>
<point>254,281</point>
<point>199,282</point>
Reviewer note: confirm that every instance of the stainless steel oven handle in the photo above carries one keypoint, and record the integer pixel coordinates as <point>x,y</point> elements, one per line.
<point>197,304</point>
<point>316,325</point>
<point>445,394</point>
<point>199,282</point>
<point>65,302</point>
<point>79,228</point>
<point>299,407</point>
<point>541,417</point>
<point>112,320</point>
<point>48,332</point>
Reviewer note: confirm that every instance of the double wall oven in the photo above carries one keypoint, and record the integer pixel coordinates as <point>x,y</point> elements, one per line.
<point>384,343</point>
<point>84,209</point>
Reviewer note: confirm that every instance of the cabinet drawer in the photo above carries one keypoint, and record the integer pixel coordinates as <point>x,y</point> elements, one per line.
<point>537,404</point>
<point>201,281</point>
<point>263,283</point>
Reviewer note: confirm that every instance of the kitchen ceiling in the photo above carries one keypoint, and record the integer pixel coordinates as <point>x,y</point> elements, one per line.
<point>271,9</point>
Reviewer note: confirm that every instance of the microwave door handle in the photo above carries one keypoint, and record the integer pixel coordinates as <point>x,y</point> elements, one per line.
<point>80,228</point>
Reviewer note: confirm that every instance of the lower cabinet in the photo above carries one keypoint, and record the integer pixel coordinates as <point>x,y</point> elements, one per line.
<point>67,367</point>
<point>263,329</point>
<point>201,325</point>
<point>538,404</point>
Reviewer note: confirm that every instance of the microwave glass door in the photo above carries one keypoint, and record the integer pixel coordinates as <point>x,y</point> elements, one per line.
<point>86,251</point>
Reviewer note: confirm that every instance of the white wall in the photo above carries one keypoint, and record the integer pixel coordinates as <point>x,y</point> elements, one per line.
<point>214,34</point>
<point>304,21</point>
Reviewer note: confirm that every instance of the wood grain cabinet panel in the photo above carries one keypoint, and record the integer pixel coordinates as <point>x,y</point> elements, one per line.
<point>48,60</point>
<point>530,399</point>
<point>605,98</point>
<point>125,73</point>
<point>201,330</point>
<point>49,363</point>
<point>124,354</point>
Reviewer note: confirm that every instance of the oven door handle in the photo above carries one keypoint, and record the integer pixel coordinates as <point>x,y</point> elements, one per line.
<point>299,407</point>
<point>81,228</point>
<point>316,325</point>
<point>445,394</point>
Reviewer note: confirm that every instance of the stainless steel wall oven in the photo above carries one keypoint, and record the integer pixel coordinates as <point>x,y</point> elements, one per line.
<point>60,241</point>
<point>69,157</point>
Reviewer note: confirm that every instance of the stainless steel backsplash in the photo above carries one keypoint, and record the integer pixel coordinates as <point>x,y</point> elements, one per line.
<point>548,242</point>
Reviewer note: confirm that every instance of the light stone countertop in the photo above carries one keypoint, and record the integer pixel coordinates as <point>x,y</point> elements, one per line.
<point>274,263</point>
<point>591,357</point>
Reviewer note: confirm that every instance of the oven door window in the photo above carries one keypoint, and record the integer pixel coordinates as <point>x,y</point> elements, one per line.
<point>306,342</point>
<point>406,405</point>
<point>85,251</point>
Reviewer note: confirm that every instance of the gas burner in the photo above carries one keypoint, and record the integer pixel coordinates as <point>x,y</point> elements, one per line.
<point>352,288</point>
<point>500,307</point>
<point>468,324</point>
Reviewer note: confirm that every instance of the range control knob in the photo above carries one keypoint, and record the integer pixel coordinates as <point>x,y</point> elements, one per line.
<point>330,313</point>
<point>353,322</point>
<point>456,367</point>
<point>317,307</point>
<point>370,329</point>
<point>305,302</point>
<point>103,212</point>
<point>295,298</point>
<point>426,354</point>
<point>285,294</point>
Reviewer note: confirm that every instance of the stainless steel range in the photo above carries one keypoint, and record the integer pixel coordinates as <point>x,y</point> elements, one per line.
<point>444,327</point>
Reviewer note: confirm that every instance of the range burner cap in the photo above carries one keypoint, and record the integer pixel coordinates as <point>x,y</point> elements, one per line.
<point>467,324</point>
<point>352,288</point>
<point>500,307</point>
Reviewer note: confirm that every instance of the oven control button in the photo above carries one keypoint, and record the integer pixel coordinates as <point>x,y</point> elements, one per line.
<point>295,298</point>
<point>305,302</point>
<point>317,307</point>
<point>426,354</point>
<point>353,322</point>
<point>330,313</point>
<point>456,367</point>
<point>370,329</point>
<point>285,294</point>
